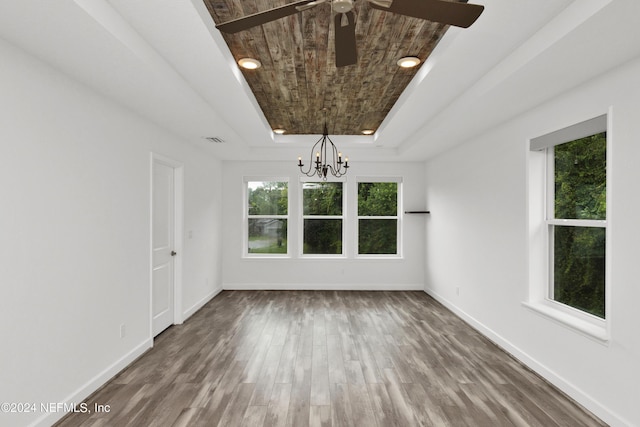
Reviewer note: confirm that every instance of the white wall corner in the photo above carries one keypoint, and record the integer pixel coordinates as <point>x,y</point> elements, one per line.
<point>198,305</point>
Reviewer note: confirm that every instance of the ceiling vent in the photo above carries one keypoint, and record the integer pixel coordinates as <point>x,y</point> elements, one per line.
<point>214,139</point>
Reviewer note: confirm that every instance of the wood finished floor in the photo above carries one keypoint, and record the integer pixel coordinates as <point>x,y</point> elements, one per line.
<point>324,358</point>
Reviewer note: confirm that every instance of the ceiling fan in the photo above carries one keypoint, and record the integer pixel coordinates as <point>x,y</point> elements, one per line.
<point>446,12</point>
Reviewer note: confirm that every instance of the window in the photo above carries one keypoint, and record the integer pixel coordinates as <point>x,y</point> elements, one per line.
<point>568,227</point>
<point>322,217</point>
<point>267,214</point>
<point>577,223</point>
<point>378,225</point>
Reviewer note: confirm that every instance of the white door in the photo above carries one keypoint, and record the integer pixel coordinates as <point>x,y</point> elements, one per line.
<point>163,210</point>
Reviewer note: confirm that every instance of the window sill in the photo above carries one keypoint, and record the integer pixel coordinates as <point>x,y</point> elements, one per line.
<point>360,258</point>
<point>371,257</point>
<point>583,327</point>
<point>267,256</point>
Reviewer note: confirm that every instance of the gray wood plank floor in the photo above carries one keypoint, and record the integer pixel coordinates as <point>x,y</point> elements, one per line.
<point>325,358</point>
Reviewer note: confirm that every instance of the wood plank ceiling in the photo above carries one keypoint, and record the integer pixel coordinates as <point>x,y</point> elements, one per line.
<point>298,78</point>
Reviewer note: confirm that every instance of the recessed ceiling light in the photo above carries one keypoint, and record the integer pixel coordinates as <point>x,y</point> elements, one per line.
<point>408,61</point>
<point>368,131</point>
<point>279,131</point>
<point>249,63</point>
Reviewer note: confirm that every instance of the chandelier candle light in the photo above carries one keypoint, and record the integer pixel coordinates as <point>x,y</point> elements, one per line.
<point>323,166</point>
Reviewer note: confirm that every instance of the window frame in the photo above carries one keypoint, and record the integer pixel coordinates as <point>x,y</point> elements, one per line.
<point>541,209</point>
<point>303,217</point>
<point>247,216</point>
<point>398,217</point>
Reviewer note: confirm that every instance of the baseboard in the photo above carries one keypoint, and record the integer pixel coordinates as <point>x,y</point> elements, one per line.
<point>558,381</point>
<point>324,286</point>
<point>95,383</point>
<point>197,306</point>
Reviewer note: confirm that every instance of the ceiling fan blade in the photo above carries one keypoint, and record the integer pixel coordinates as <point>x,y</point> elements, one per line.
<point>260,18</point>
<point>346,53</point>
<point>451,13</point>
<point>382,3</point>
<point>309,5</point>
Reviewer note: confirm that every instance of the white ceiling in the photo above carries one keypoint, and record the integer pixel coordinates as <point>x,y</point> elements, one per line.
<point>164,60</point>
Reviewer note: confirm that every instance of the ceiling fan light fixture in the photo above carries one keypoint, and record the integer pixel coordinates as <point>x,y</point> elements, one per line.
<point>249,63</point>
<point>342,6</point>
<point>408,61</point>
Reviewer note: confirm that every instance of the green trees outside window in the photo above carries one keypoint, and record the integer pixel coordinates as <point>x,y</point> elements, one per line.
<point>580,169</point>
<point>377,218</point>
<point>579,242</point>
<point>322,207</point>
<point>267,214</point>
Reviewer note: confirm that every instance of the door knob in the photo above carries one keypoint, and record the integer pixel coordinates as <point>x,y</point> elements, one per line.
<point>174,253</point>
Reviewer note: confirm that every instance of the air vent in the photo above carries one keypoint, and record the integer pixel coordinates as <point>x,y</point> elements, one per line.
<point>214,139</point>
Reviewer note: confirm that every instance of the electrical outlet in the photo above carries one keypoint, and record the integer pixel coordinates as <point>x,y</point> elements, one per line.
<point>123,331</point>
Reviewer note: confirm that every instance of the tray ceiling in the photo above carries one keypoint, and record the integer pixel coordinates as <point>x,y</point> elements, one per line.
<point>298,78</point>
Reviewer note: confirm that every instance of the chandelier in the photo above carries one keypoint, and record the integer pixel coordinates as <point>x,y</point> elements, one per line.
<point>322,165</point>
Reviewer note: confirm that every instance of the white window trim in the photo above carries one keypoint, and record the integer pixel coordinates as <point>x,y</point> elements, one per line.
<point>398,217</point>
<point>342,217</point>
<point>541,220</point>
<point>246,217</point>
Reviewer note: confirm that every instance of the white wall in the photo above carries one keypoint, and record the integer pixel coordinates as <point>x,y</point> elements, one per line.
<point>348,273</point>
<point>477,241</point>
<point>74,227</point>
